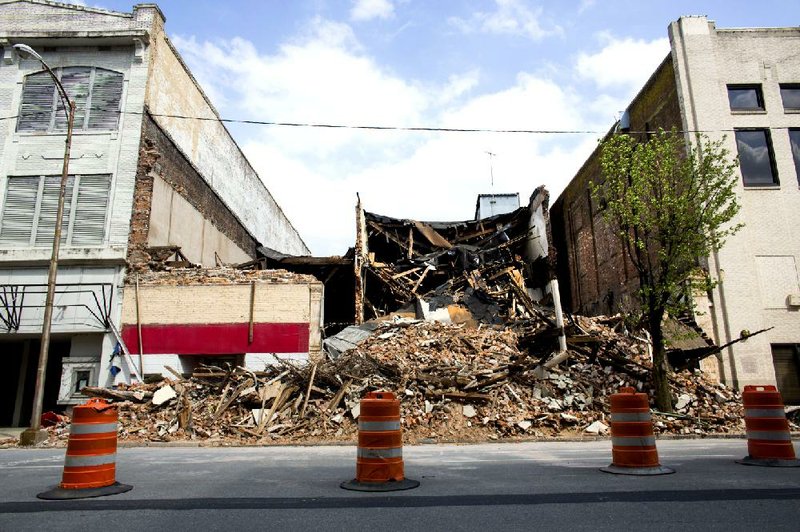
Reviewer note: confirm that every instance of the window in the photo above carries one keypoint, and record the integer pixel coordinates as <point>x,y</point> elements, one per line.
<point>794,141</point>
<point>29,213</point>
<point>82,379</point>
<point>786,360</point>
<point>756,160</point>
<point>790,94</point>
<point>745,98</point>
<point>97,93</point>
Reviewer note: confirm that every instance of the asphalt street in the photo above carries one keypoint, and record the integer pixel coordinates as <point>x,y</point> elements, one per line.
<point>510,486</point>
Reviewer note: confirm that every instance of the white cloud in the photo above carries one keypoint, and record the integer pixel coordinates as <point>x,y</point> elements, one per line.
<point>325,76</point>
<point>364,10</point>
<point>321,77</point>
<point>586,4</point>
<point>511,17</point>
<point>622,63</point>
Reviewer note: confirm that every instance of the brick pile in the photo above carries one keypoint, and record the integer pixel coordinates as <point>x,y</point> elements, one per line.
<point>455,384</point>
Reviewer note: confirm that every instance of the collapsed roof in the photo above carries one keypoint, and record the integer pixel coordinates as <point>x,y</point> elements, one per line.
<point>399,261</point>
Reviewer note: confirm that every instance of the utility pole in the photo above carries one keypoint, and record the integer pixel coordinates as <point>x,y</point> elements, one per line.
<point>35,434</point>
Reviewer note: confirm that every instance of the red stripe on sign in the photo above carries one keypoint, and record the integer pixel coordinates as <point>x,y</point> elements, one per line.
<point>218,338</point>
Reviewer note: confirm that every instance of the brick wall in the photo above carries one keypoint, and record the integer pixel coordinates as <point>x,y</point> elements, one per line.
<point>596,275</point>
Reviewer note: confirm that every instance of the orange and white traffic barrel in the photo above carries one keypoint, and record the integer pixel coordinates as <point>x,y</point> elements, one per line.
<point>90,462</point>
<point>379,461</point>
<point>633,443</point>
<point>769,442</point>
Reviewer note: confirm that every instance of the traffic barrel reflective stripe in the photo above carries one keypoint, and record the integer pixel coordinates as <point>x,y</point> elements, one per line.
<point>768,439</point>
<point>633,444</point>
<point>379,458</point>
<point>94,428</point>
<point>621,417</point>
<point>85,461</point>
<point>380,453</point>
<point>764,412</point>
<point>633,441</point>
<point>764,435</point>
<point>378,425</point>
<point>90,462</point>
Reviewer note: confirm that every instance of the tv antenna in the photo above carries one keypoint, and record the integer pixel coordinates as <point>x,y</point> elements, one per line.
<point>491,169</point>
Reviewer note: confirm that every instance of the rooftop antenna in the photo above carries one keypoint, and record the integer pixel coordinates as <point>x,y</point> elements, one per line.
<point>491,169</point>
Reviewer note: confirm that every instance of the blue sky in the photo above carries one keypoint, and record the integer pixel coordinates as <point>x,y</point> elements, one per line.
<point>497,64</point>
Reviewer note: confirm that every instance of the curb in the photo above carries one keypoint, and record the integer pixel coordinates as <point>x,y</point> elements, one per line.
<point>424,441</point>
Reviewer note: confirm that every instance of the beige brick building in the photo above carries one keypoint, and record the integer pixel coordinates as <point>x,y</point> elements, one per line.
<point>743,84</point>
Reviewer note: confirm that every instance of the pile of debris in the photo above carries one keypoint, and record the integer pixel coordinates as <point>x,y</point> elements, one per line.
<point>463,334</point>
<point>185,276</point>
<point>455,383</point>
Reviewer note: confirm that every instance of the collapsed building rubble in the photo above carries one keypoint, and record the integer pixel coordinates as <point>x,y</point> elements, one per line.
<point>463,329</point>
<point>455,383</point>
<point>398,261</point>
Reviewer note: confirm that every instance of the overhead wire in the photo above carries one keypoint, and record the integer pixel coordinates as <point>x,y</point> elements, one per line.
<point>431,129</point>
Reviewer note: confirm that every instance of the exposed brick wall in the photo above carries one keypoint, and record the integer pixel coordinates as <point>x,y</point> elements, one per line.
<point>596,274</point>
<point>142,202</point>
<point>159,156</point>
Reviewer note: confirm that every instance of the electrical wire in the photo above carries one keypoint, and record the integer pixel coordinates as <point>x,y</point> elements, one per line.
<point>404,128</point>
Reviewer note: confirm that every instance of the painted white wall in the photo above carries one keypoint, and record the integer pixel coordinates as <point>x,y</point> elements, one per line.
<point>174,221</point>
<point>758,267</point>
<point>71,305</point>
<point>203,141</point>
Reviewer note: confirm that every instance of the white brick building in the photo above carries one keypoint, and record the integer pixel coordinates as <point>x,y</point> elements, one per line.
<point>140,178</point>
<point>743,84</point>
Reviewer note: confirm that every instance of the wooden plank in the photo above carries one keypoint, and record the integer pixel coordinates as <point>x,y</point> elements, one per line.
<point>308,390</point>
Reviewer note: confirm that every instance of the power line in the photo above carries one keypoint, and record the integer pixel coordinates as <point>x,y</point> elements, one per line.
<point>380,128</point>
<point>405,128</point>
<point>356,126</point>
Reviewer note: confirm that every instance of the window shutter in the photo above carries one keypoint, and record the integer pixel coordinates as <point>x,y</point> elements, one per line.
<point>49,209</point>
<point>18,212</point>
<point>90,210</point>
<point>76,82</point>
<point>37,103</point>
<point>106,96</point>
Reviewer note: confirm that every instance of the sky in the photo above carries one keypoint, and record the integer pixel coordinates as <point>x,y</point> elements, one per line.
<point>567,67</point>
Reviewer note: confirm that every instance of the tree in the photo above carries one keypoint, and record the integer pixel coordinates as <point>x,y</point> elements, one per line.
<point>671,201</point>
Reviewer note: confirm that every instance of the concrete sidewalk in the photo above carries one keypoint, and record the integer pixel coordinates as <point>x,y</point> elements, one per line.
<point>11,432</point>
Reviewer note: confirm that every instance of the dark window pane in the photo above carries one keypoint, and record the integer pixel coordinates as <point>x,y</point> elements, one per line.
<point>19,210</point>
<point>790,94</point>
<point>794,140</point>
<point>76,82</point>
<point>106,95</point>
<point>96,92</point>
<point>755,157</point>
<point>37,103</point>
<point>48,211</point>
<point>745,98</point>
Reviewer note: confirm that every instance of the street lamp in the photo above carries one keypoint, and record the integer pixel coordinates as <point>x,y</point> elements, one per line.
<point>35,434</point>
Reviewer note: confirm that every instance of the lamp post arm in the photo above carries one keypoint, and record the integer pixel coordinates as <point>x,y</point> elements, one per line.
<point>69,105</point>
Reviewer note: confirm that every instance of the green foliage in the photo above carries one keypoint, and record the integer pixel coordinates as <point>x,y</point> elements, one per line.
<point>671,204</point>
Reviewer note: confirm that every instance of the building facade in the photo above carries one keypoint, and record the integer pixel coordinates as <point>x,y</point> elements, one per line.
<point>743,85</point>
<point>143,176</point>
